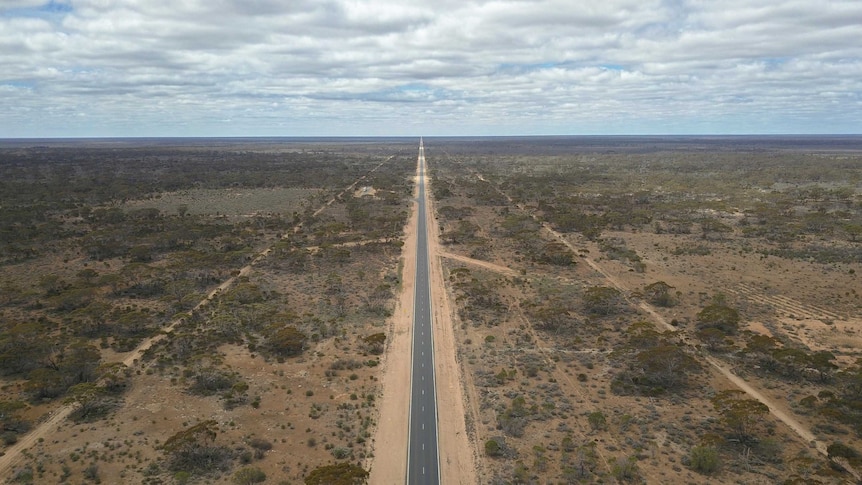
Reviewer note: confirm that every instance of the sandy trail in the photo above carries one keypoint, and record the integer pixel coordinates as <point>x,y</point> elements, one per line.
<point>13,454</point>
<point>349,244</point>
<point>787,419</point>
<point>476,262</point>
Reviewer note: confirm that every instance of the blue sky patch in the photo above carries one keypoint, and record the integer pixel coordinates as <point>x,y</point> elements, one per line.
<point>50,9</point>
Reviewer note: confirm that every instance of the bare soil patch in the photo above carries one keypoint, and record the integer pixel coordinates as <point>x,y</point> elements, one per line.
<point>234,203</point>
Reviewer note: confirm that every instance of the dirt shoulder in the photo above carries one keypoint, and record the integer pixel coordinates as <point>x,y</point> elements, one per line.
<point>458,452</point>
<point>388,462</point>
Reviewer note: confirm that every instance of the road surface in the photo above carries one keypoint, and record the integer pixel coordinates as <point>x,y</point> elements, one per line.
<point>423,465</point>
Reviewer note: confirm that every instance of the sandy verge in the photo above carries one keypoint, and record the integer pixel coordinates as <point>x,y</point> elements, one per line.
<point>458,453</point>
<point>457,460</point>
<point>388,463</point>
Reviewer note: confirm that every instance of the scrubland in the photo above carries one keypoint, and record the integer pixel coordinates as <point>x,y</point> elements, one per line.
<point>623,309</point>
<point>196,314</point>
<point>681,311</point>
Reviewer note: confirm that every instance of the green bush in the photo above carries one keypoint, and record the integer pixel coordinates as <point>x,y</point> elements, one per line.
<point>625,470</point>
<point>493,448</point>
<point>704,459</point>
<point>720,317</point>
<point>9,438</point>
<point>597,420</point>
<point>249,475</point>
<point>841,450</point>
<point>339,474</point>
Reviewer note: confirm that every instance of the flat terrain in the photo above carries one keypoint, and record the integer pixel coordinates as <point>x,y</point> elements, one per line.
<point>655,310</point>
<point>190,314</point>
<point>606,309</point>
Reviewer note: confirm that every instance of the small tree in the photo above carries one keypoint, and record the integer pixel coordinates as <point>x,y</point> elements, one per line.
<point>194,449</point>
<point>374,343</point>
<point>9,418</point>
<point>713,228</point>
<point>822,362</point>
<point>760,344</point>
<point>584,461</point>
<point>739,413</point>
<point>719,316</point>
<point>556,253</point>
<point>658,293</point>
<point>90,400</point>
<point>114,376</point>
<point>791,361</point>
<point>840,450</point>
<point>667,366</point>
<point>597,420</point>
<point>713,338</point>
<point>493,448</point>
<point>603,300</point>
<point>287,341</point>
<point>79,363</point>
<point>44,383</point>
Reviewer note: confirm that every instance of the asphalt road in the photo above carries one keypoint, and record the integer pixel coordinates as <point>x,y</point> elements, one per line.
<point>423,466</point>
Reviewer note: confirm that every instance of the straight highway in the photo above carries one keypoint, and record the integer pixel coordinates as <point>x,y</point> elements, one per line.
<point>423,465</point>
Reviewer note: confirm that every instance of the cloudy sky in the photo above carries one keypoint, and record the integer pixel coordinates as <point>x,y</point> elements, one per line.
<point>442,67</point>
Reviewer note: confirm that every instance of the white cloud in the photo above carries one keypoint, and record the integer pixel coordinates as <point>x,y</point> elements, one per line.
<point>162,67</point>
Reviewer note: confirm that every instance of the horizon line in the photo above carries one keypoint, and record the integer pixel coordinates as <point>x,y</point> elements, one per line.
<point>614,135</point>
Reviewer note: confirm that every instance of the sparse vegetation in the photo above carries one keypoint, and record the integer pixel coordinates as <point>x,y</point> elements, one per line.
<point>109,247</point>
<point>339,474</point>
<point>636,318</point>
<point>585,350</point>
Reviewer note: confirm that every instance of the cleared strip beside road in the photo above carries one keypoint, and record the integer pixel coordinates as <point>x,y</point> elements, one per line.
<point>423,466</point>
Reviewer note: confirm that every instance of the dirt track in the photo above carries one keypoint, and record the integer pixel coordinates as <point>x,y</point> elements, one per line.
<point>483,264</point>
